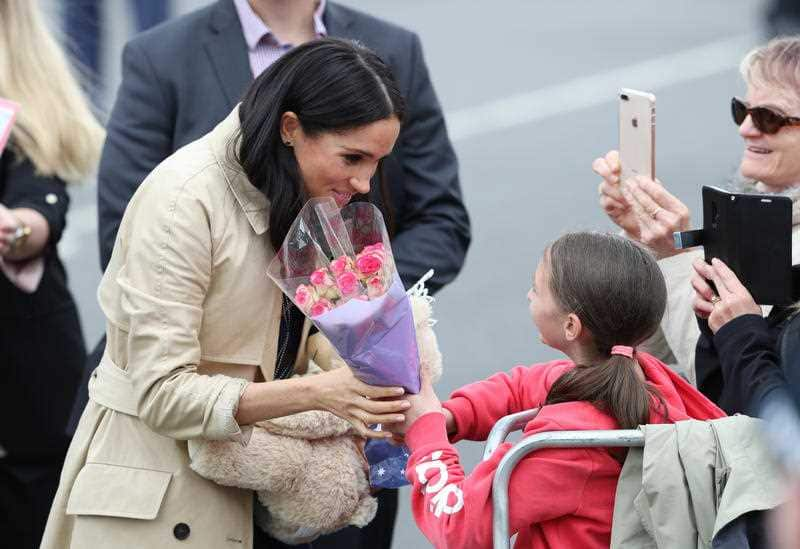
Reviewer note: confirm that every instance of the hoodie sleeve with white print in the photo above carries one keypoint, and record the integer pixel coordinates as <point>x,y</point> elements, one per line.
<point>455,511</point>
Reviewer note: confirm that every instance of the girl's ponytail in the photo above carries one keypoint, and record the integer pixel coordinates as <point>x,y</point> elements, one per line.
<point>613,386</point>
<point>616,289</point>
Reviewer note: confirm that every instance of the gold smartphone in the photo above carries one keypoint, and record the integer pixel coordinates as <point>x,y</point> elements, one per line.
<point>637,134</point>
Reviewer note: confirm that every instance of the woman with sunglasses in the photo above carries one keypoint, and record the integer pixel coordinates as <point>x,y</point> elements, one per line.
<point>768,119</point>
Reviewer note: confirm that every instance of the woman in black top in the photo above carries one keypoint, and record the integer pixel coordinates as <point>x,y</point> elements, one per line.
<point>41,350</point>
<point>738,358</point>
<point>55,141</point>
<point>40,336</point>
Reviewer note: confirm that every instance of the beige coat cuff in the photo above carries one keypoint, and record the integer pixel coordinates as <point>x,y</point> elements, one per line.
<point>223,425</point>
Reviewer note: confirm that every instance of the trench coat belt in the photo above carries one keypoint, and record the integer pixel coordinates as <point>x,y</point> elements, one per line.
<point>111,386</point>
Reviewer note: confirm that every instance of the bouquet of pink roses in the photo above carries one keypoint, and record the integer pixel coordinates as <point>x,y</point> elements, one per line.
<point>343,278</point>
<point>337,267</point>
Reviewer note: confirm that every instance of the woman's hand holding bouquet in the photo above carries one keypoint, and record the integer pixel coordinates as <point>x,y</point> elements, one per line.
<point>341,393</point>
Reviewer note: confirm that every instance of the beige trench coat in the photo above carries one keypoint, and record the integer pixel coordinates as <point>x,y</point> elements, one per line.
<point>186,295</point>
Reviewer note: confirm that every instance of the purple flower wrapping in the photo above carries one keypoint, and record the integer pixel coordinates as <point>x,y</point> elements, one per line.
<point>376,338</point>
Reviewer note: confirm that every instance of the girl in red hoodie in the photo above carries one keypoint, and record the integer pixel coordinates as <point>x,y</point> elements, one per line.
<point>595,297</point>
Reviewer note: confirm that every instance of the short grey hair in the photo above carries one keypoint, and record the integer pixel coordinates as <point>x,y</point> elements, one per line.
<point>774,65</point>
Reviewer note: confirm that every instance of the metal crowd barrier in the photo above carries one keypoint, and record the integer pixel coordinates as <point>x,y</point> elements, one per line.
<point>554,439</point>
<point>505,426</point>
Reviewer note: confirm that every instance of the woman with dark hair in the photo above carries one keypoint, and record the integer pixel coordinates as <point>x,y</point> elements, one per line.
<point>200,341</point>
<point>595,297</point>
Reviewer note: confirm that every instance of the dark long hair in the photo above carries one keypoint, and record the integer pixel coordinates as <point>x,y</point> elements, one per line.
<point>616,289</point>
<point>331,85</point>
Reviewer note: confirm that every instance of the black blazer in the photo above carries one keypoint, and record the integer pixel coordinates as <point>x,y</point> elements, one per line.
<point>41,345</point>
<point>183,77</point>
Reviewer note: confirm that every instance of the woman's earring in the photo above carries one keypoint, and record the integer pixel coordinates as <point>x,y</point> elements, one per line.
<point>287,143</point>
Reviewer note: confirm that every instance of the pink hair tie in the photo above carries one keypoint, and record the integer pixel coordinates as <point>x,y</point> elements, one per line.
<point>622,350</point>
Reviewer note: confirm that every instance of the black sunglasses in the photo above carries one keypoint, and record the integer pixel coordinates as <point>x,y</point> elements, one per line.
<point>764,118</point>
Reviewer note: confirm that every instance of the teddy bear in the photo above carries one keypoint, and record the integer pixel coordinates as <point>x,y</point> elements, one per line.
<point>308,469</point>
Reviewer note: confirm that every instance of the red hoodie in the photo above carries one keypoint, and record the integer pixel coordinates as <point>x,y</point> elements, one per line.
<point>559,497</point>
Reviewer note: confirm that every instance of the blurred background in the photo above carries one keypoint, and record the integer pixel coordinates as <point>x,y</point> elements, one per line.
<point>529,93</point>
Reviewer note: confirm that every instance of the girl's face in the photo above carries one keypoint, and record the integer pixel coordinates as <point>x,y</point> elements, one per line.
<point>772,159</point>
<point>340,164</point>
<point>545,311</point>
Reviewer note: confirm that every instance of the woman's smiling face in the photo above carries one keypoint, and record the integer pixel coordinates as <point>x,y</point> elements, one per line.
<point>340,164</point>
<point>772,159</point>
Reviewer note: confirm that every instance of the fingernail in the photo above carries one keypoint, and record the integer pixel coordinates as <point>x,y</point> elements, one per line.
<point>399,391</point>
<point>400,418</point>
<point>406,404</point>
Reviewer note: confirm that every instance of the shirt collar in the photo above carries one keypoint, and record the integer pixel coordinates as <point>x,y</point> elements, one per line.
<point>255,30</point>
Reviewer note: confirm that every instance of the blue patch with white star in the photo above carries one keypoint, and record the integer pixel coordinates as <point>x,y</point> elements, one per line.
<point>387,464</point>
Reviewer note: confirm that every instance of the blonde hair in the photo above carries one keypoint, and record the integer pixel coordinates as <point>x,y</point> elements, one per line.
<point>55,129</point>
<point>774,65</point>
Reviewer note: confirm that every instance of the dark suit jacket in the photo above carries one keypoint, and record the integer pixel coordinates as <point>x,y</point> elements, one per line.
<point>183,77</point>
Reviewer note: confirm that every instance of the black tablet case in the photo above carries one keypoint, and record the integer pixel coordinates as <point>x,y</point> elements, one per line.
<point>752,234</point>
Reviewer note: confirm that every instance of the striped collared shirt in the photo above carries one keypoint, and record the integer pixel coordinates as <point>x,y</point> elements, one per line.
<point>263,47</point>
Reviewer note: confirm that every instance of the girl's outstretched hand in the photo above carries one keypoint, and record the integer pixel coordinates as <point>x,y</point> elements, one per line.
<point>422,403</point>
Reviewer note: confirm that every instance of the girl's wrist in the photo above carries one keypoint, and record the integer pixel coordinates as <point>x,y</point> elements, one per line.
<point>450,421</point>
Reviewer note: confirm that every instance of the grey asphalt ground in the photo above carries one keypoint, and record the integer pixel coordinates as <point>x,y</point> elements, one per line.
<point>529,90</point>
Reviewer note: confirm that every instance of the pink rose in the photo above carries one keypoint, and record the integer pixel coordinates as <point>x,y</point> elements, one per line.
<point>321,307</point>
<point>375,249</point>
<point>369,264</point>
<point>303,296</point>
<point>340,265</point>
<point>375,287</point>
<point>347,283</point>
<point>320,277</point>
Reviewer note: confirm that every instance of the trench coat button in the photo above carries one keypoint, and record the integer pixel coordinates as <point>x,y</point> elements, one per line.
<point>50,198</point>
<point>181,531</point>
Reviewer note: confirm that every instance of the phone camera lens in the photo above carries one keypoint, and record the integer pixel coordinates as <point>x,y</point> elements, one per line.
<point>624,97</point>
<point>635,122</point>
